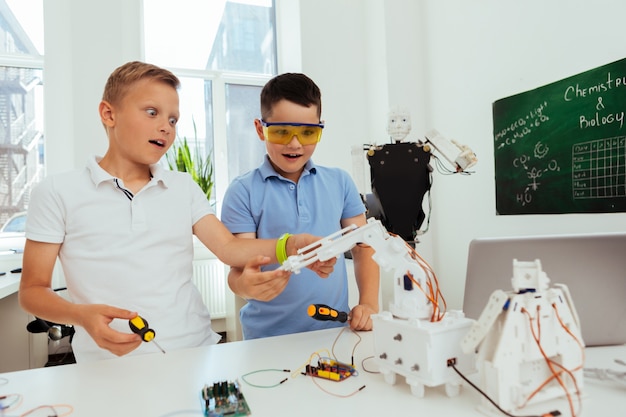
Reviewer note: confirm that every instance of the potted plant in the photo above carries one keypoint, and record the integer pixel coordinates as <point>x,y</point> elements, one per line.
<point>180,158</point>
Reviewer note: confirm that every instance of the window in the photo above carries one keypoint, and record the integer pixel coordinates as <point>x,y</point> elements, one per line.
<point>21,103</point>
<point>223,51</point>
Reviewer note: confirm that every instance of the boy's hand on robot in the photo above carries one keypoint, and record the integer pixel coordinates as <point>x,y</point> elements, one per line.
<point>262,285</point>
<point>323,268</point>
<point>303,240</point>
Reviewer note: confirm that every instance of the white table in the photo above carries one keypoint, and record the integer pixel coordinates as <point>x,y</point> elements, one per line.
<point>167,385</point>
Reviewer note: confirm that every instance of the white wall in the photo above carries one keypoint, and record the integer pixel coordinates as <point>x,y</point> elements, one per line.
<point>448,61</point>
<point>84,42</point>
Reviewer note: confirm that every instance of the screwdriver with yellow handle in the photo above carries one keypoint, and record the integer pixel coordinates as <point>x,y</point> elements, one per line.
<point>140,326</point>
<point>324,312</point>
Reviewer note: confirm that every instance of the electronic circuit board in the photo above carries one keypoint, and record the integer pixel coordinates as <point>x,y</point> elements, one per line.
<point>224,399</point>
<point>330,369</point>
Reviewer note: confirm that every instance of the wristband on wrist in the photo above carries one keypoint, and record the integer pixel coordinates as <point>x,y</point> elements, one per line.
<point>281,248</point>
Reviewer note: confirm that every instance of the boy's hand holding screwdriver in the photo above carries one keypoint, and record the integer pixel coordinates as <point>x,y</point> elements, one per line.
<point>96,318</point>
<point>140,326</point>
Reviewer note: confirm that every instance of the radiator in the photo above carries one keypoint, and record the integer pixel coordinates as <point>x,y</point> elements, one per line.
<point>209,277</point>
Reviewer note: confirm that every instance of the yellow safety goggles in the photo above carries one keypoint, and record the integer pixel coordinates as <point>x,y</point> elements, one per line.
<point>282,133</point>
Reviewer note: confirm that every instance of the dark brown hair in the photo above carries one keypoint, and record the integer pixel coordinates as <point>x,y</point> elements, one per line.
<point>294,87</point>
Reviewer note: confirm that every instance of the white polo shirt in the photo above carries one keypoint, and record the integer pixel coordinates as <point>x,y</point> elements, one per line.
<point>133,252</point>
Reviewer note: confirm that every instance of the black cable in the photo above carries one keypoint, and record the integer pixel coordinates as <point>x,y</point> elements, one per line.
<point>484,394</point>
<point>444,170</point>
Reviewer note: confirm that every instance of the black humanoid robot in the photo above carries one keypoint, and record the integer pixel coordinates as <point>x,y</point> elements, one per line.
<point>401,175</point>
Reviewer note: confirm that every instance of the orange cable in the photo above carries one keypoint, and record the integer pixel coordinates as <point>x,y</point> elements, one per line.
<point>549,362</point>
<point>569,372</point>
<point>434,292</point>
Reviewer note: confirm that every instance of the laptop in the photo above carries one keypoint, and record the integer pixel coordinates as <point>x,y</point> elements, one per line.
<point>593,266</point>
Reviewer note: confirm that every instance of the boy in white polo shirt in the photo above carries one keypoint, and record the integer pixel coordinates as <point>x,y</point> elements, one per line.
<point>122,228</point>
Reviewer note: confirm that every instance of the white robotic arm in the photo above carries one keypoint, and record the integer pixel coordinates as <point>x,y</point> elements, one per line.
<point>322,250</point>
<point>460,156</point>
<point>390,253</point>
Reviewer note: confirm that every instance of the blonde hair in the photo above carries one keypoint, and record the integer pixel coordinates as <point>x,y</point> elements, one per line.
<point>124,76</point>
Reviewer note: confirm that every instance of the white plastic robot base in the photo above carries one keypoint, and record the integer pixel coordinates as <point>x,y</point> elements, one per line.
<point>405,342</point>
<point>513,368</point>
<point>420,350</point>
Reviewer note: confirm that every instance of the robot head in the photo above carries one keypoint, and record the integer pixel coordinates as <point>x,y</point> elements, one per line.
<point>529,276</point>
<point>398,123</point>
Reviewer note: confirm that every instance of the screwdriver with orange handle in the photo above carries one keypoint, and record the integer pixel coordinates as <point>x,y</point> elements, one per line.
<point>324,312</point>
<point>140,326</point>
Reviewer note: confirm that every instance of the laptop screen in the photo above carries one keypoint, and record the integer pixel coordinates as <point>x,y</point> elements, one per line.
<point>593,266</point>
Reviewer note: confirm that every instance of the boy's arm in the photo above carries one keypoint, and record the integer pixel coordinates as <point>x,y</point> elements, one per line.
<point>38,298</point>
<point>367,274</point>
<point>228,248</point>
<point>251,283</point>
<point>237,252</point>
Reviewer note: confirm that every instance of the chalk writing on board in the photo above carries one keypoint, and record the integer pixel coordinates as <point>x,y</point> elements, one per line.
<point>533,167</point>
<point>522,127</point>
<point>561,148</point>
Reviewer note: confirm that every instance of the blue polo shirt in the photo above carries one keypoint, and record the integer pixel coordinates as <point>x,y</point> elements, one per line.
<point>264,202</point>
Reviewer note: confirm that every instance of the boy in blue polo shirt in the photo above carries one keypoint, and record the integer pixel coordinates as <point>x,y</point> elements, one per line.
<point>288,193</point>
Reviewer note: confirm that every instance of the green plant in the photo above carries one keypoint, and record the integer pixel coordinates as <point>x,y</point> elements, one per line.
<point>180,158</point>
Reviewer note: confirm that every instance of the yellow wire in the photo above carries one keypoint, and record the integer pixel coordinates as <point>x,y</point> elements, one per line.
<point>296,372</point>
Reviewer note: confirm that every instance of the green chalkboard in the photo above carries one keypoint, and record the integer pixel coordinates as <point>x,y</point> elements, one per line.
<point>561,148</point>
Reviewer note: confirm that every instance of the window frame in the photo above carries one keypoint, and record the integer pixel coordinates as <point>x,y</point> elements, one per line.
<point>288,58</point>
<point>219,80</point>
<point>26,62</point>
